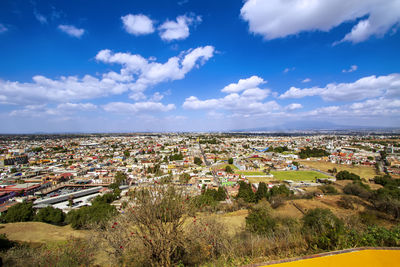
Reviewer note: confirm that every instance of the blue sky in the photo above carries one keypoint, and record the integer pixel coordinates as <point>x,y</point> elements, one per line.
<point>186,65</point>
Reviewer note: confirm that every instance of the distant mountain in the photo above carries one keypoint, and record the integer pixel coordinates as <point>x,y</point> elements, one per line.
<point>314,126</point>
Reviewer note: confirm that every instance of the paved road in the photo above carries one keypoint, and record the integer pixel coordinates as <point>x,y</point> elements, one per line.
<point>216,179</point>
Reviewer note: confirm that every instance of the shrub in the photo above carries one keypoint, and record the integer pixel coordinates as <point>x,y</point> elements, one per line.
<point>346,175</point>
<point>346,202</point>
<point>358,189</point>
<point>21,212</point>
<point>328,189</point>
<point>50,215</point>
<point>323,229</point>
<point>85,216</point>
<point>259,219</point>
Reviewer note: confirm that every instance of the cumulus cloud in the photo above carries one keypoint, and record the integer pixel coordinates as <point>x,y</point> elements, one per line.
<point>179,29</point>
<point>364,88</point>
<point>243,84</point>
<point>278,18</point>
<point>149,73</point>
<point>69,88</point>
<point>294,106</point>
<point>3,28</point>
<point>72,30</point>
<point>244,97</point>
<point>137,24</point>
<point>123,107</point>
<point>352,68</point>
<point>136,75</point>
<point>61,109</point>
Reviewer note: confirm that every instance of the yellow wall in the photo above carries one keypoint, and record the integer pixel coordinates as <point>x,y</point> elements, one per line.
<point>364,258</point>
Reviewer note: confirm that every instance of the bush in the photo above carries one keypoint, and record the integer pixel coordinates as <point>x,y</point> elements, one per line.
<point>346,202</point>
<point>358,189</point>
<point>50,215</point>
<point>328,189</point>
<point>21,212</point>
<point>323,229</point>
<point>346,175</point>
<point>259,219</point>
<point>85,216</point>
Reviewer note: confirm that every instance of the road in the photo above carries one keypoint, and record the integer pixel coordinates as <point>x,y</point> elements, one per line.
<point>216,179</point>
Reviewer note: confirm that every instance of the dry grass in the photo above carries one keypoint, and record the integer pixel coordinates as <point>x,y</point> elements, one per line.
<point>37,232</point>
<point>362,171</point>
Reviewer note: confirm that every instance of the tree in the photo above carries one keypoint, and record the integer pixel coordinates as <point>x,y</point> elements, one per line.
<point>119,178</point>
<point>230,161</point>
<point>50,215</point>
<point>260,220</point>
<point>85,216</point>
<point>127,154</point>
<point>184,178</point>
<point>228,169</point>
<point>158,221</point>
<point>346,175</point>
<point>197,161</point>
<point>262,191</point>
<point>246,192</point>
<point>323,229</point>
<point>21,212</point>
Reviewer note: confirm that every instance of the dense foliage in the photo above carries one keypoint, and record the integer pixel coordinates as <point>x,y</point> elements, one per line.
<point>346,175</point>
<point>21,212</point>
<point>312,152</point>
<point>50,215</point>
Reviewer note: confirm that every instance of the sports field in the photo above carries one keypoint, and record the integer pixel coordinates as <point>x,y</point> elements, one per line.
<point>250,173</point>
<point>297,175</point>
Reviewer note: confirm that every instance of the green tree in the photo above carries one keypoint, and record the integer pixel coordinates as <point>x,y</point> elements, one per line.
<point>346,175</point>
<point>127,154</point>
<point>246,192</point>
<point>97,213</point>
<point>262,191</point>
<point>120,178</point>
<point>260,220</point>
<point>197,161</point>
<point>323,229</point>
<point>21,212</point>
<point>230,161</point>
<point>50,215</point>
<point>184,178</point>
<point>228,169</point>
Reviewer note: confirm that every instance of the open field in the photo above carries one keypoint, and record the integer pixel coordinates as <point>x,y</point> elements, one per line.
<point>223,166</point>
<point>37,232</point>
<point>362,171</point>
<point>250,172</point>
<point>297,175</point>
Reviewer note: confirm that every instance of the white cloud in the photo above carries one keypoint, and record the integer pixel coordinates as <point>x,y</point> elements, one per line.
<point>136,75</point>
<point>72,30</point>
<point>364,88</point>
<point>243,84</point>
<point>179,29</point>
<point>151,73</point>
<point>42,19</point>
<point>286,70</point>
<point>60,110</point>
<point>353,68</point>
<point>69,88</point>
<point>306,80</point>
<point>279,18</point>
<point>3,28</point>
<point>294,106</point>
<point>123,107</point>
<point>137,24</point>
<point>243,98</point>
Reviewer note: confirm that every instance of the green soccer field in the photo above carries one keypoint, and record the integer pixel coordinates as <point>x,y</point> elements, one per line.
<point>298,175</point>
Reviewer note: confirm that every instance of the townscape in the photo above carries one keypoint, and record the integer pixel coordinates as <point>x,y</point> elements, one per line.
<point>53,171</point>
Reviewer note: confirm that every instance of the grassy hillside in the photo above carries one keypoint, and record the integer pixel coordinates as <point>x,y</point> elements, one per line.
<point>38,232</point>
